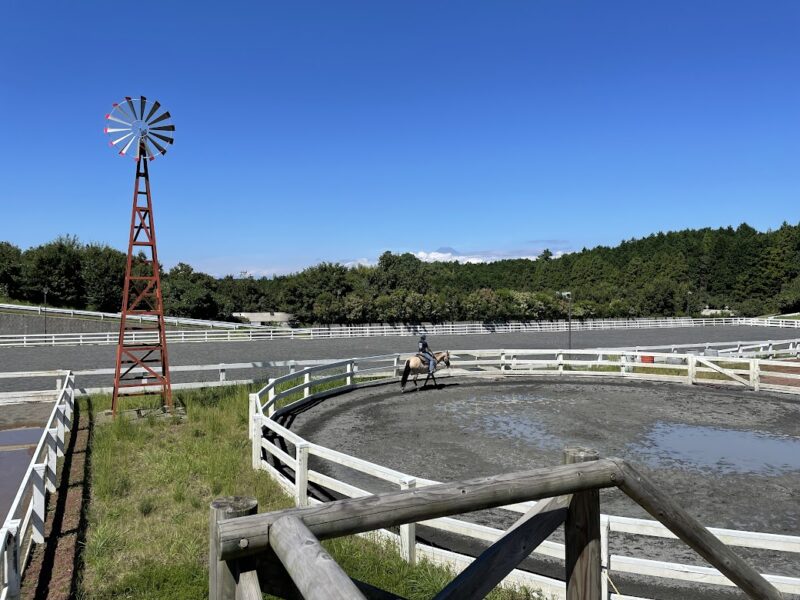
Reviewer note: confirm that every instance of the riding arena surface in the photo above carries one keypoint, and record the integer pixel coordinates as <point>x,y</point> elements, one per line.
<point>730,457</point>
<point>88,357</point>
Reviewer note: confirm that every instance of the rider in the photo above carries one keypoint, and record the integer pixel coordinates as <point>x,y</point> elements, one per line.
<point>426,352</point>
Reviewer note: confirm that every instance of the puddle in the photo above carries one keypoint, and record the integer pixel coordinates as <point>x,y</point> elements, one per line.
<point>13,464</point>
<point>725,451</point>
<point>20,437</point>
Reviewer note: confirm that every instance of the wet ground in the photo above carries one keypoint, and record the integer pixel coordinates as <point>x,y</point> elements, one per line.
<point>730,457</point>
<point>20,429</point>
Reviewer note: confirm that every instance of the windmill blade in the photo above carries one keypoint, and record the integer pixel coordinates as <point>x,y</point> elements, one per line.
<point>133,108</point>
<point>163,128</point>
<point>160,148</point>
<point>115,129</point>
<point>118,140</point>
<point>166,115</point>
<point>169,140</point>
<point>153,110</point>
<point>147,151</point>
<point>128,145</point>
<point>111,117</point>
<point>142,102</point>
<point>120,109</point>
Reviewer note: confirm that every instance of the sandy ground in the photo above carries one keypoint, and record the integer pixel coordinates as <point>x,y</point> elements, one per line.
<point>98,357</point>
<point>731,458</point>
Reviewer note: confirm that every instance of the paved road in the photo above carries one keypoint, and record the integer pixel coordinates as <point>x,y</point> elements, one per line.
<point>97,357</point>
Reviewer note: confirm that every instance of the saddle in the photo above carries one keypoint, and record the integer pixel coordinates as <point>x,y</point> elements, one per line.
<point>424,359</point>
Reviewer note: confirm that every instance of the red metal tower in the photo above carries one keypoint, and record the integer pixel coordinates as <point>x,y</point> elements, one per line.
<point>142,364</point>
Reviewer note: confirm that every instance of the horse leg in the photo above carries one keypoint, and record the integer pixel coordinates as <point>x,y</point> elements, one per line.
<point>435,385</point>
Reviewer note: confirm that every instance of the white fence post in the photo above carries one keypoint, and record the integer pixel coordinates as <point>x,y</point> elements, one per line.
<point>60,431</point>
<point>255,441</point>
<point>560,357</point>
<point>755,374</point>
<point>605,558</point>
<point>52,452</point>
<point>251,412</point>
<point>270,399</point>
<point>37,518</point>
<point>301,475</point>
<point>222,373</point>
<point>502,361</point>
<point>349,380</point>
<point>691,369</point>
<point>11,568</point>
<point>307,389</point>
<point>408,532</point>
<point>396,365</point>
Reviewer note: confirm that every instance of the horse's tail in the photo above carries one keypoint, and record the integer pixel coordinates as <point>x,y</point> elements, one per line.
<point>406,371</point>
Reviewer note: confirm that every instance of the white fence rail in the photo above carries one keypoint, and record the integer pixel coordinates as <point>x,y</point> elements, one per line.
<point>275,447</point>
<point>239,333</point>
<point>25,523</point>
<point>104,316</point>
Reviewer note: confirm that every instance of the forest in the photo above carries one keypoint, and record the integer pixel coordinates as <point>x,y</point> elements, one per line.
<point>664,274</point>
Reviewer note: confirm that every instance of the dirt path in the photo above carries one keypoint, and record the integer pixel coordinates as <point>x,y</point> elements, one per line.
<point>52,571</point>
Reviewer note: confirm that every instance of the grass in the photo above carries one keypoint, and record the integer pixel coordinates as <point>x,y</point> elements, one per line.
<point>152,481</point>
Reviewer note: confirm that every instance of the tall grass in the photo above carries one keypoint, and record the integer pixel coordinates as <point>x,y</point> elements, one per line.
<point>152,481</point>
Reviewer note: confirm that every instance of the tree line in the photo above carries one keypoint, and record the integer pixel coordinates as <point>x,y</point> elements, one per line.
<point>664,274</point>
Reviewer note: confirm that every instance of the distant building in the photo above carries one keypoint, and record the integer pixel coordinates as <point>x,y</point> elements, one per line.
<point>717,312</point>
<point>266,318</point>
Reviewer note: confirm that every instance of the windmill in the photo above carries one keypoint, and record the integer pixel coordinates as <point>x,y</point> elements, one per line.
<point>135,128</point>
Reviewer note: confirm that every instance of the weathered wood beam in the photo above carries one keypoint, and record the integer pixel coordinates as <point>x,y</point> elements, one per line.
<point>499,559</point>
<point>641,489</point>
<point>221,577</point>
<point>250,535</point>
<point>312,569</point>
<point>582,536</point>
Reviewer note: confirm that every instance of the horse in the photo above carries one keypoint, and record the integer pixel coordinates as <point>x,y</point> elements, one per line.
<point>416,366</point>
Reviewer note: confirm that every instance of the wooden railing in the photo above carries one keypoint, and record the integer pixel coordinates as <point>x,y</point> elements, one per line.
<point>25,523</point>
<point>285,455</point>
<point>293,562</point>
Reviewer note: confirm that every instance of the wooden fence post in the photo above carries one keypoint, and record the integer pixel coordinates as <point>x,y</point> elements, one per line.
<point>301,474</point>
<point>221,578</point>
<point>582,536</point>
<point>13,577</point>
<point>408,532</point>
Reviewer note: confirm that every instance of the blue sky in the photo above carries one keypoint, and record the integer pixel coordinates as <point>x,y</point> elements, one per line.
<point>310,131</point>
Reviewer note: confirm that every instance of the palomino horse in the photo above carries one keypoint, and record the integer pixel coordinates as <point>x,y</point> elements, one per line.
<point>416,366</point>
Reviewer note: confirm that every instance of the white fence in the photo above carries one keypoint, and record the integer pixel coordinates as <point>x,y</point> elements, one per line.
<point>275,448</point>
<point>103,316</point>
<point>237,333</point>
<point>24,524</point>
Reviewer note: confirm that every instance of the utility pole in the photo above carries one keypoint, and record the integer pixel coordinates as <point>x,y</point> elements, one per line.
<point>568,296</point>
<point>45,290</point>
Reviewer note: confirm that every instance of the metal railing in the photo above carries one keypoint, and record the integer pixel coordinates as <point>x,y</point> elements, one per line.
<point>25,523</point>
<point>241,333</point>
<point>276,448</point>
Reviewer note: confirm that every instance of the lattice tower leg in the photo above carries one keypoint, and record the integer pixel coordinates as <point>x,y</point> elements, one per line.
<point>142,358</point>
